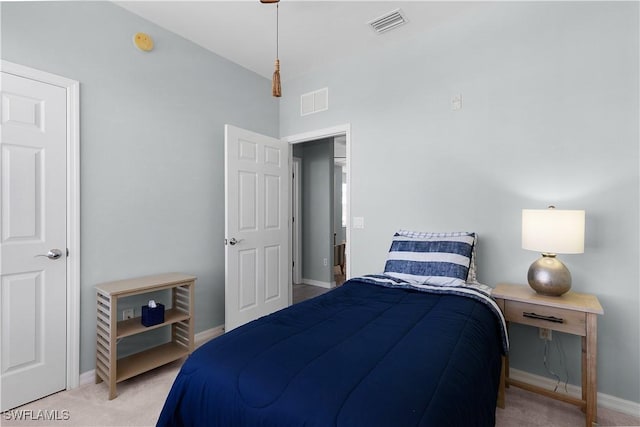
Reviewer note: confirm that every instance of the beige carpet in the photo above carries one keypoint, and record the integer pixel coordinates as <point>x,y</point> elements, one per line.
<point>139,403</point>
<point>140,400</point>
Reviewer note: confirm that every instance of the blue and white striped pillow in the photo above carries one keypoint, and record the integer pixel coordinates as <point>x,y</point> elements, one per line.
<point>436,260</point>
<point>473,268</point>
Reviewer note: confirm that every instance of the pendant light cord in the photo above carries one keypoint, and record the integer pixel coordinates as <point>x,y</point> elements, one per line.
<point>276,88</point>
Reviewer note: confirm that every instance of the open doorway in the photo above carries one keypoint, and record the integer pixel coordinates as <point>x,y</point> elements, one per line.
<point>339,209</point>
<point>320,207</point>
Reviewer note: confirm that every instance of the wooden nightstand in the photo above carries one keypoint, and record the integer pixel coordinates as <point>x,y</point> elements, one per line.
<point>571,313</point>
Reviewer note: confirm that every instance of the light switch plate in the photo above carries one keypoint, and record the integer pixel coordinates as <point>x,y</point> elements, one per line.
<point>456,102</point>
<point>358,222</point>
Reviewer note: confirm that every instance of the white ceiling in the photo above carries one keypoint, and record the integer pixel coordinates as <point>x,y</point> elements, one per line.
<point>311,32</point>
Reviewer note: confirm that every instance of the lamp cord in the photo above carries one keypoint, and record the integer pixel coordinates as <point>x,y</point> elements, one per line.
<point>546,365</point>
<point>563,364</point>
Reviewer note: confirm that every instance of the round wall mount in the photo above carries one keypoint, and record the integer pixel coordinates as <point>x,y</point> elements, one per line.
<point>143,41</point>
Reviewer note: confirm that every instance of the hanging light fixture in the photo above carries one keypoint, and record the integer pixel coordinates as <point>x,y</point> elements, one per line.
<point>276,89</point>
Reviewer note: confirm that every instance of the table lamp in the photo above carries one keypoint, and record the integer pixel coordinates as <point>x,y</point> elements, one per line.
<point>552,231</point>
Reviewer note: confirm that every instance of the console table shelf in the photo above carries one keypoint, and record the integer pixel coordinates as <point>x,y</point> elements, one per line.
<point>144,361</point>
<point>134,326</point>
<point>109,330</point>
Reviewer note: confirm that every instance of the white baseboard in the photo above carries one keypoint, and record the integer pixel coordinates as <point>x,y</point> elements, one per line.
<point>200,338</point>
<point>204,336</point>
<point>88,377</point>
<point>319,283</point>
<point>604,400</point>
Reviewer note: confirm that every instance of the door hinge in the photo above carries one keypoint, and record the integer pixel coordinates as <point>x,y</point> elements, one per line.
<point>67,251</point>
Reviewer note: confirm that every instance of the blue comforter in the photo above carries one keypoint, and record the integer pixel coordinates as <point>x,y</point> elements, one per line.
<point>359,355</point>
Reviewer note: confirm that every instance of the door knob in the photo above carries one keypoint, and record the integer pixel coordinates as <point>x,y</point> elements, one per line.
<point>52,254</point>
<point>233,241</point>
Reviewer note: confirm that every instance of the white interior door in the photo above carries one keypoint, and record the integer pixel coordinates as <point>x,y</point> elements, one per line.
<point>32,287</point>
<point>256,226</point>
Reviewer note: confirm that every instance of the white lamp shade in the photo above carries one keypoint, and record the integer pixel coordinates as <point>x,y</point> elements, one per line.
<point>553,231</point>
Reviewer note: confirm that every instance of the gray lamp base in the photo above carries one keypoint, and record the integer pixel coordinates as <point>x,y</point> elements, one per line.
<point>549,276</point>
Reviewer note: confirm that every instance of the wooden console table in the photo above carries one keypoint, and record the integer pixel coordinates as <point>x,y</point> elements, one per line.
<point>108,329</point>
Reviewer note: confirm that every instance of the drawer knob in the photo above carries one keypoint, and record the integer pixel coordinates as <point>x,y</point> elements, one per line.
<point>541,317</point>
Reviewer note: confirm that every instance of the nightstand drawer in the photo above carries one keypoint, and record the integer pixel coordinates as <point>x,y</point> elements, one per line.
<point>557,319</point>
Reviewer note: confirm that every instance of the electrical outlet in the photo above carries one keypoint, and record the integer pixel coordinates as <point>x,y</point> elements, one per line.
<point>325,261</point>
<point>127,314</point>
<point>544,334</point>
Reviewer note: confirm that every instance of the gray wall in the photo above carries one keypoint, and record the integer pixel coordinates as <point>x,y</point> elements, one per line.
<point>151,144</point>
<point>550,116</point>
<point>317,208</point>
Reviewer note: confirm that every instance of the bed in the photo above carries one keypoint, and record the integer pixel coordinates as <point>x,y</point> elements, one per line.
<point>377,351</point>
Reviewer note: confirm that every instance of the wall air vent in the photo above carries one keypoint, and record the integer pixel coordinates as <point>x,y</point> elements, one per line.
<point>388,21</point>
<point>314,102</point>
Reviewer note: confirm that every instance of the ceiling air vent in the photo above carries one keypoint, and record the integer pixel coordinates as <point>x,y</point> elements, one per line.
<point>388,21</point>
